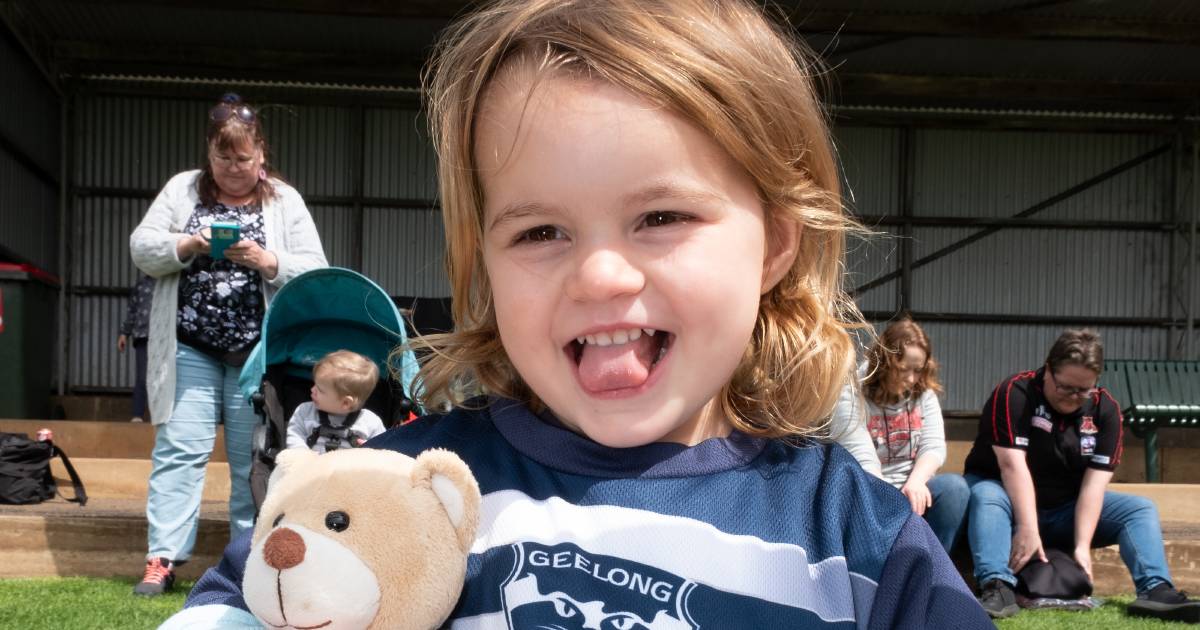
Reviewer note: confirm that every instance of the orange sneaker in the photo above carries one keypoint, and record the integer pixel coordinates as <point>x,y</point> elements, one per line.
<point>158,578</point>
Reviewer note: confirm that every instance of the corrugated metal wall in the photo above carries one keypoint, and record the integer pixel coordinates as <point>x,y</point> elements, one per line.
<point>1106,273</point>
<point>368,172</point>
<point>871,165</point>
<point>126,147</point>
<point>29,159</point>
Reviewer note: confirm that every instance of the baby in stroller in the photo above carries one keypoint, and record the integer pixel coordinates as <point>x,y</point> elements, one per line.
<point>335,417</point>
<point>314,315</point>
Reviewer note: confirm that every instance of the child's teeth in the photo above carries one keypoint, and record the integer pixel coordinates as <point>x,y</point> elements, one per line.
<point>615,337</point>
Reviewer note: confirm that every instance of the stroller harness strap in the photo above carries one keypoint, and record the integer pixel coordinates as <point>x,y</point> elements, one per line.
<point>336,437</point>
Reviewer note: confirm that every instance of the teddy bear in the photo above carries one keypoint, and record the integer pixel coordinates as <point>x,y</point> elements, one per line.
<point>362,538</point>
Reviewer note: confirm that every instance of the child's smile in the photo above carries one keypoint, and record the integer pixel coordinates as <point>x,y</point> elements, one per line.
<point>625,252</point>
<point>616,362</point>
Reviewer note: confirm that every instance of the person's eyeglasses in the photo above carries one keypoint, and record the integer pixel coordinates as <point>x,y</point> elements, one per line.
<point>231,105</point>
<point>1073,392</point>
<point>232,163</point>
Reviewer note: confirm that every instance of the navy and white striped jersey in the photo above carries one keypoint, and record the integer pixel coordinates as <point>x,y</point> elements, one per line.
<point>737,532</point>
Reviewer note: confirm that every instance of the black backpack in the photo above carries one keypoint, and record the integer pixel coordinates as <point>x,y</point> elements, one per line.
<point>25,470</point>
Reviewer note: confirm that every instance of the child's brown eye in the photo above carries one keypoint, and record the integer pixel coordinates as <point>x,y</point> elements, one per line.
<point>277,520</point>
<point>540,234</point>
<point>658,219</point>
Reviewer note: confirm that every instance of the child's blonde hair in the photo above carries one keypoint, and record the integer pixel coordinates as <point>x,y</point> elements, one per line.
<point>350,373</point>
<point>723,66</point>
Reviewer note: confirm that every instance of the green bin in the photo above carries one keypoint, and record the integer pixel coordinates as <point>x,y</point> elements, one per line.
<point>28,312</point>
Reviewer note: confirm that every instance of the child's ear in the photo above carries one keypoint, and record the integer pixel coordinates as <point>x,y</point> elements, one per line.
<point>348,402</point>
<point>783,244</point>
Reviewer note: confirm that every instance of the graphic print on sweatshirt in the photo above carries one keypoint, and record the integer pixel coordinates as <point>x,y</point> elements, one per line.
<point>567,566</point>
<point>897,436</point>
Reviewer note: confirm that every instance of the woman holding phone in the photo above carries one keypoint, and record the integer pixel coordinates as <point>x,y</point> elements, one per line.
<point>206,317</point>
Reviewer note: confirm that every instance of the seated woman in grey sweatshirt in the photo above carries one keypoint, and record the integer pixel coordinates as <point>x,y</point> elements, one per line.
<point>890,420</point>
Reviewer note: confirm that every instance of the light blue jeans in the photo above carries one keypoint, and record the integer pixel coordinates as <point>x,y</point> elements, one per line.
<point>950,496</point>
<point>206,391</point>
<point>1127,520</point>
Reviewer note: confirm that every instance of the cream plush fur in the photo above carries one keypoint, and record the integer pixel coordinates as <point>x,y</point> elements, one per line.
<point>399,559</point>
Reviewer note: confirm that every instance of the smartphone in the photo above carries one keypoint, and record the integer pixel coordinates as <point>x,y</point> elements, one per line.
<point>223,235</point>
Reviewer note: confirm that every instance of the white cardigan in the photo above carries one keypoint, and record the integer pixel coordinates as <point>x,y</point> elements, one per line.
<point>291,236</point>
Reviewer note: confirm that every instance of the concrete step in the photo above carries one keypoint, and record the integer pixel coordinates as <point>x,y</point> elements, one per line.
<point>108,536</point>
<point>104,539</point>
<point>1177,464</point>
<point>128,478</point>
<point>1179,449</point>
<point>93,438</point>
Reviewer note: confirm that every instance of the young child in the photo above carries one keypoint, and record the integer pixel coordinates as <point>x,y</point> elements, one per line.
<point>644,240</point>
<point>336,418</point>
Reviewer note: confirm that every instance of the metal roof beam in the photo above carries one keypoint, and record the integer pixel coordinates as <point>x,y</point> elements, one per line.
<point>83,57</point>
<point>997,26</point>
<point>890,86</point>
<point>1006,25</point>
<point>361,8</point>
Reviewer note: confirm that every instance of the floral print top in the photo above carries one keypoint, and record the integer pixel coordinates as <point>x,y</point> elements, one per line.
<point>221,302</point>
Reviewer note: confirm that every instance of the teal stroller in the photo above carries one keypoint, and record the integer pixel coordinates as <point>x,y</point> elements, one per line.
<point>316,313</point>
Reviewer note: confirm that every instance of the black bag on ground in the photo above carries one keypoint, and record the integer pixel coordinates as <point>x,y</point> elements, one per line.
<point>1060,577</point>
<point>25,470</point>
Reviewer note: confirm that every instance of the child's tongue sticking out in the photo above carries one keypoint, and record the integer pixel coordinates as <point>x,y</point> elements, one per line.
<point>604,368</point>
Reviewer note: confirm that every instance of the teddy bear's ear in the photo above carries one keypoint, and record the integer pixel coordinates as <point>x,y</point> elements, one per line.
<point>289,459</point>
<point>452,482</point>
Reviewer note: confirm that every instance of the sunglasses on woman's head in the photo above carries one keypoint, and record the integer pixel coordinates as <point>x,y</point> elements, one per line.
<point>226,110</point>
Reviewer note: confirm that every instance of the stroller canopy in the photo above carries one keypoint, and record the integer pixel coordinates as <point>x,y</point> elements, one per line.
<point>325,310</point>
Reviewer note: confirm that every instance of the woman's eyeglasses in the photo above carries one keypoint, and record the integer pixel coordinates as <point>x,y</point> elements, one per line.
<point>1073,392</point>
<point>231,105</point>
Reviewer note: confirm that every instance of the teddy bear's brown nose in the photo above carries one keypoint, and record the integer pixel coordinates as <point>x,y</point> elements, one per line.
<point>284,549</point>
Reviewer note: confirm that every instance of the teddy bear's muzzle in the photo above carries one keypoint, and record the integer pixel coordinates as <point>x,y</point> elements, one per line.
<point>284,549</point>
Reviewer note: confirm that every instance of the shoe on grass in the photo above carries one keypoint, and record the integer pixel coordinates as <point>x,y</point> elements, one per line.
<point>1165,602</point>
<point>998,600</point>
<point>158,578</point>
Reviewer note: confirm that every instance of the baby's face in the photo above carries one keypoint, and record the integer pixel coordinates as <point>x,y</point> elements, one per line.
<point>326,398</point>
<point>625,252</point>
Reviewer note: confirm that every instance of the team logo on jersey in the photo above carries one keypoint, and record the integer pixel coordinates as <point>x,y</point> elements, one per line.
<point>1042,423</point>
<point>1041,412</point>
<point>1087,427</point>
<point>564,587</point>
<point>1087,445</point>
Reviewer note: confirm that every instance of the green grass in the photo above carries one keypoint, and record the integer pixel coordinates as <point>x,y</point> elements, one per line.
<point>1110,615</point>
<point>99,604</point>
<point>84,603</point>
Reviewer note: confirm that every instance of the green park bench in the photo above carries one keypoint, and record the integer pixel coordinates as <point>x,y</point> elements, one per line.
<point>1153,395</point>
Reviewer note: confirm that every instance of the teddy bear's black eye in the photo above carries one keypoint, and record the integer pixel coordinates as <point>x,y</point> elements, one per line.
<point>275,523</point>
<point>337,521</point>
